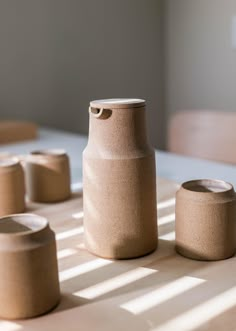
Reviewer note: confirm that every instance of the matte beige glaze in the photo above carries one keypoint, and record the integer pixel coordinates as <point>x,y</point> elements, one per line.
<point>120,208</point>
<point>206,220</point>
<point>28,267</point>
<point>48,176</point>
<point>12,186</point>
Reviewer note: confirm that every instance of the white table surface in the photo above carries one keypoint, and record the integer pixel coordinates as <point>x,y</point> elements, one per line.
<point>169,165</point>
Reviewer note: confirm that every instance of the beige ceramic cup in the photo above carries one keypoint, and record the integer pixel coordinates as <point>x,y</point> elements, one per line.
<point>12,187</point>
<point>48,176</point>
<point>206,220</point>
<point>29,283</point>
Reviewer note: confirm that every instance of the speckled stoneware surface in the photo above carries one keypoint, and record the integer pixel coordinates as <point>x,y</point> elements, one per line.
<point>12,187</point>
<point>120,208</point>
<point>206,220</point>
<point>29,283</point>
<point>48,176</point>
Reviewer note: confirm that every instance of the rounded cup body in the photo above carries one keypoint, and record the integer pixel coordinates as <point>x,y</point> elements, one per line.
<point>206,220</point>
<point>48,176</point>
<point>29,283</point>
<point>12,187</point>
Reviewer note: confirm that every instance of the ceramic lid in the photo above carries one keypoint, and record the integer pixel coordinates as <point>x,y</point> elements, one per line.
<point>117,103</point>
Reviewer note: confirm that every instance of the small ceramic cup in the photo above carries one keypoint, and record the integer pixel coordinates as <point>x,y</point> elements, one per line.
<point>48,176</point>
<point>12,186</point>
<point>29,283</point>
<point>206,220</point>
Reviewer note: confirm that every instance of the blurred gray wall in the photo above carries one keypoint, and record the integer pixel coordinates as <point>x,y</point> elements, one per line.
<point>200,63</point>
<point>57,55</point>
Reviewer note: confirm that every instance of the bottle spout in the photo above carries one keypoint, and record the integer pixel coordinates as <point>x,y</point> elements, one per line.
<point>100,112</point>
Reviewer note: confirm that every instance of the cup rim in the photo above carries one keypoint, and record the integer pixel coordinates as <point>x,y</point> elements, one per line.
<point>44,224</point>
<point>221,184</point>
<point>9,162</point>
<point>50,152</point>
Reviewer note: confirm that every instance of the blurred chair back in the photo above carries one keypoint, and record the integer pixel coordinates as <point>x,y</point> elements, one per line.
<point>205,134</point>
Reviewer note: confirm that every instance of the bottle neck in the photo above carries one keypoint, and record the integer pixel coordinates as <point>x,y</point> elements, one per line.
<point>119,132</point>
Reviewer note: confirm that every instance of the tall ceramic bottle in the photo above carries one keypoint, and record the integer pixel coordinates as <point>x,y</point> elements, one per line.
<point>119,178</point>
